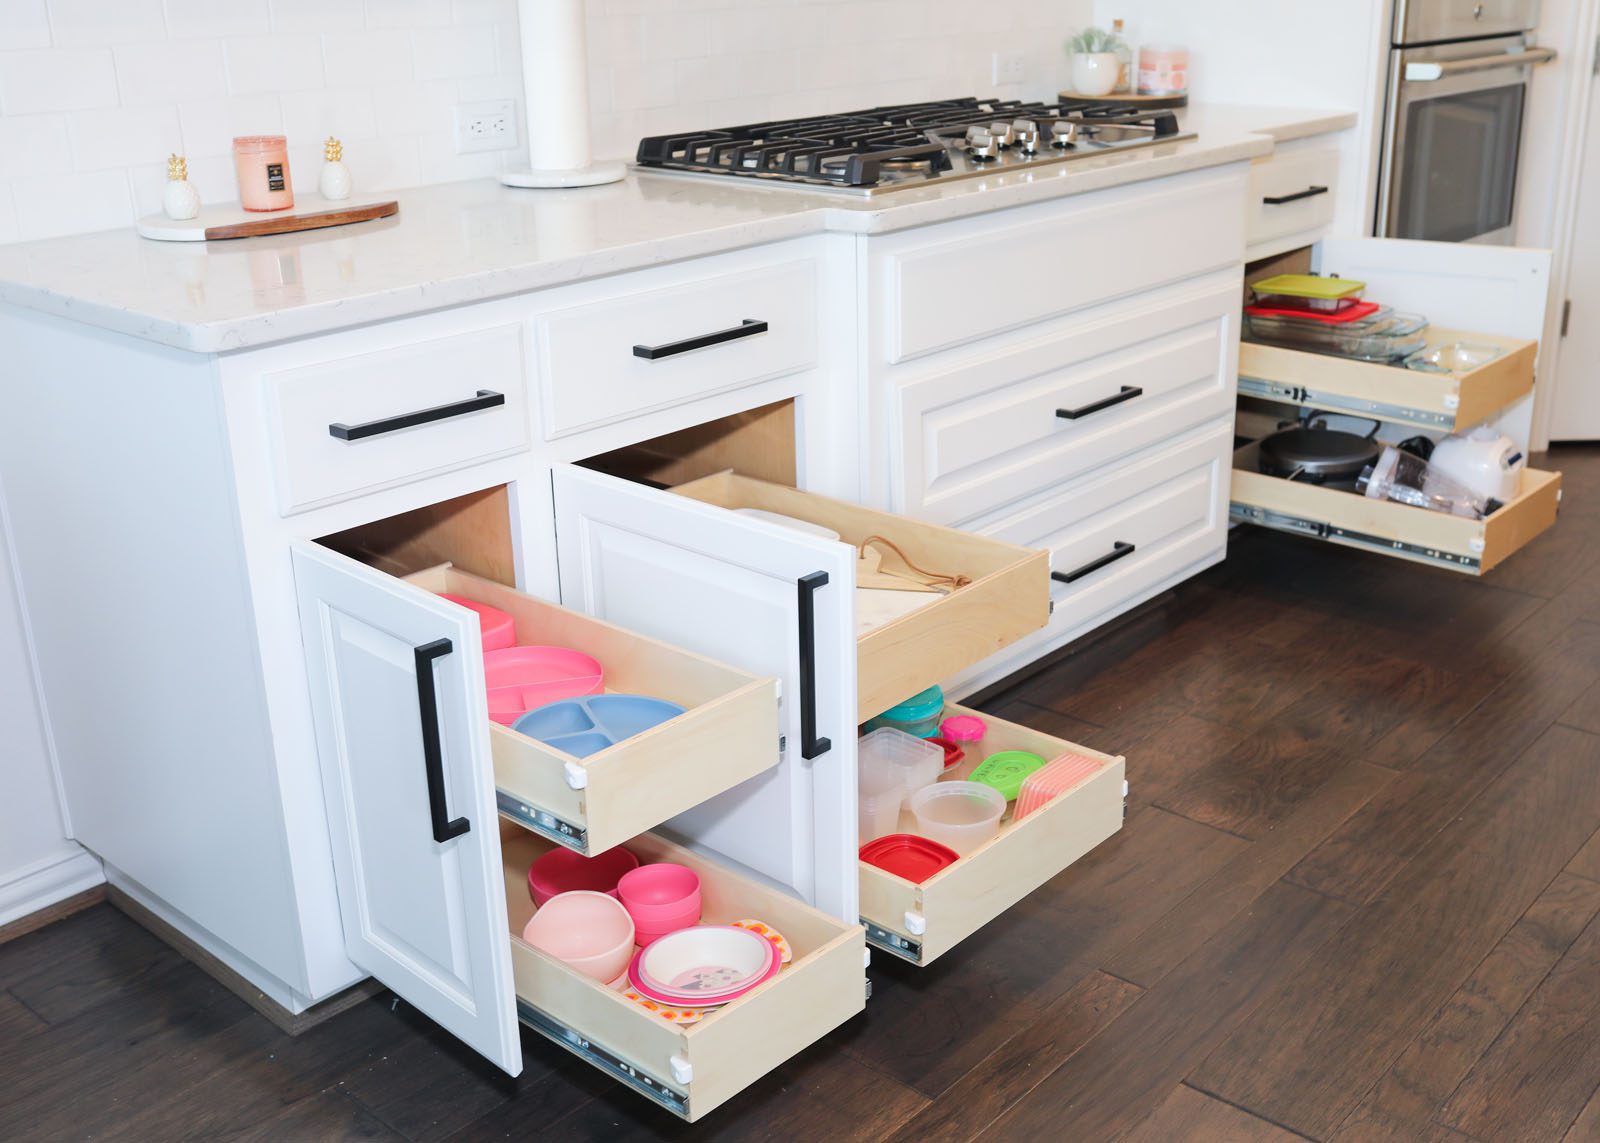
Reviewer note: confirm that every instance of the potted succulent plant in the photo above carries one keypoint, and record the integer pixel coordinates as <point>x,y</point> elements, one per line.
<point>1096,61</point>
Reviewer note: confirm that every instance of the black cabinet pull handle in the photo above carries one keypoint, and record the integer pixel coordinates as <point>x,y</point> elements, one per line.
<point>432,755</point>
<point>1118,550</point>
<point>749,327</point>
<point>810,744</point>
<point>486,399</point>
<point>1127,393</point>
<point>1280,199</point>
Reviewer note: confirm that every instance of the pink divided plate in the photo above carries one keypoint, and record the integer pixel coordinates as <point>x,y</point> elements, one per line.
<point>703,966</point>
<point>521,678</point>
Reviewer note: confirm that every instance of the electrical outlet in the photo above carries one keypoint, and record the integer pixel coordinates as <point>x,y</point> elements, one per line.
<point>486,126</point>
<point>1010,67</point>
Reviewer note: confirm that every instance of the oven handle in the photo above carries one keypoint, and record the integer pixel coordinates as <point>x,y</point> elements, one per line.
<point>1443,69</point>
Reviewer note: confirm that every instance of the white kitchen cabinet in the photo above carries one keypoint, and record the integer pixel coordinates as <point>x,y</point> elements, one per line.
<point>1292,196</point>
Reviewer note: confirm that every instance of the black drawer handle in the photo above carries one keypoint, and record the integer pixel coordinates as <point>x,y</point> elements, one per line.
<point>485,399</point>
<point>432,755</point>
<point>1280,199</point>
<point>749,327</point>
<point>1118,550</point>
<point>810,744</point>
<point>1127,393</point>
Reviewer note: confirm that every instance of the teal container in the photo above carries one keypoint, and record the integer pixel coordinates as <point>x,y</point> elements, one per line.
<point>918,715</point>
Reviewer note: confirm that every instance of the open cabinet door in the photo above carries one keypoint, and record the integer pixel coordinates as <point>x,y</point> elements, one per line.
<point>403,740</point>
<point>759,596</point>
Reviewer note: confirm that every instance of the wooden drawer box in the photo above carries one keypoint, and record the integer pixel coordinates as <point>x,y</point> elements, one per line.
<point>351,425</point>
<point>1455,542</point>
<point>690,1069</point>
<point>637,352</point>
<point>1402,396</point>
<point>922,922</point>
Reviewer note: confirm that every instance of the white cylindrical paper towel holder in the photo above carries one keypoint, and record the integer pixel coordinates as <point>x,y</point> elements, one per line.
<point>555,79</point>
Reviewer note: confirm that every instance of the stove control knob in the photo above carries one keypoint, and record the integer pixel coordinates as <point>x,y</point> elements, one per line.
<point>981,145</point>
<point>1002,133</point>
<point>1063,133</point>
<point>1027,134</point>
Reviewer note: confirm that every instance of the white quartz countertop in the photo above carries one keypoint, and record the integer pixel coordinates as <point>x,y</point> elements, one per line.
<point>463,242</point>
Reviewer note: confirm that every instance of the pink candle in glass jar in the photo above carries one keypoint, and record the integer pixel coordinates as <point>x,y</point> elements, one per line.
<point>262,163</point>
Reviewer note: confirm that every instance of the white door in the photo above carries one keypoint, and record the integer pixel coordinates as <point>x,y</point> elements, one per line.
<point>1575,406</point>
<point>1491,289</point>
<point>406,774</point>
<point>739,591</point>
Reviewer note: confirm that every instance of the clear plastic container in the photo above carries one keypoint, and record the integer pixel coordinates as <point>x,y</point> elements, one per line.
<point>1307,292</point>
<point>1408,479</point>
<point>915,762</point>
<point>1457,357</point>
<point>1396,337</point>
<point>879,796</point>
<point>961,815</point>
<point>918,715</point>
<point>969,732</point>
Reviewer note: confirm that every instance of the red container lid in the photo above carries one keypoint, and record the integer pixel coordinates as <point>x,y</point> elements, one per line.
<point>952,752</point>
<point>909,856</point>
<point>1335,317</point>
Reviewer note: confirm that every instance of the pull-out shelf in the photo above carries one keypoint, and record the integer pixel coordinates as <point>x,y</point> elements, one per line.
<point>920,923</point>
<point>1455,542</point>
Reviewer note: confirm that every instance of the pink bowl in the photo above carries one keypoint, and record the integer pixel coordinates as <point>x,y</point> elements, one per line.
<point>590,931</point>
<point>499,629</point>
<point>562,871</point>
<point>661,898</point>
<point>521,678</point>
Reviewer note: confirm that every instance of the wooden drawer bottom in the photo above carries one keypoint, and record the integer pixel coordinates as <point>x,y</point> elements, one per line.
<point>689,1069</point>
<point>920,923</point>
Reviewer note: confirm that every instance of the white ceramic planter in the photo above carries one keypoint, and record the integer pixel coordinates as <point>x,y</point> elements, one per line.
<point>1095,73</point>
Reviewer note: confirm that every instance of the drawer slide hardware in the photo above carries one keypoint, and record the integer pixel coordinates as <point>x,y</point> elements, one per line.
<point>1296,395</point>
<point>1126,393</point>
<point>749,327</point>
<point>609,1062</point>
<point>1283,522</point>
<point>486,399</point>
<point>542,822</point>
<point>903,947</point>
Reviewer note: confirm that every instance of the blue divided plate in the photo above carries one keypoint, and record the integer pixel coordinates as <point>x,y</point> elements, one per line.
<point>585,726</point>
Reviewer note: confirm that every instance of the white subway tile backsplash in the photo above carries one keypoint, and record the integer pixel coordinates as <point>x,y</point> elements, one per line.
<point>123,136</point>
<point>206,19</point>
<point>453,53</point>
<point>8,215</point>
<point>408,13</point>
<point>50,205</point>
<point>311,116</point>
<point>23,24</point>
<point>318,15</point>
<point>56,80</point>
<point>362,59</point>
<point>102,23</point>
<point>259,64</point>
<point>34,145</point>
<point>209,125</point>
<point>417,108</point>
<point>167,73</point>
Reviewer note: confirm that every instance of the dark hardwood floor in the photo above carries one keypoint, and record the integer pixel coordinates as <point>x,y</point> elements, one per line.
<point>1357,897</point>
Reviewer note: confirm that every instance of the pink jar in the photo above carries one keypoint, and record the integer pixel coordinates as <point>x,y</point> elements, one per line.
<point>1163,70</point>
<point>262,164</point>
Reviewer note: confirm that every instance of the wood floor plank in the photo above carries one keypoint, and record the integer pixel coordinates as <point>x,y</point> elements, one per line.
<point>1235,887</point>
<point>1359,859</point>
<point>111,956</point>
<point>1587,861</point>
<point>1014,1069</point>
<point>1307,1056</point>
<point>17,1020</point>
<point>1536,1078</point>
<point>1124,1073</point>
<point>1403,1103</point>
<point>328,1115</point>
<point>1584,713</point>
<point>1586,1128</point>
<point>1198,1118</point>
<point>923,1027</point>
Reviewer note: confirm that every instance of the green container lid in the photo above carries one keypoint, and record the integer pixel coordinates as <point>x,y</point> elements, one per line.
<point>917,708</point>
<point>1309,286</point>
<point>1005,771</point>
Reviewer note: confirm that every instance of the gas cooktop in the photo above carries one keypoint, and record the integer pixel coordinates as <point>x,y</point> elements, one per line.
<point>896,148</point>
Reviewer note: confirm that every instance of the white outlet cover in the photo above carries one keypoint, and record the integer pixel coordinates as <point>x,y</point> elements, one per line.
<point>488,126</point>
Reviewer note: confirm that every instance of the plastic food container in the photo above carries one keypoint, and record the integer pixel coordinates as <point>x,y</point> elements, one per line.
<point>1356,311</point>
<point>562,871</point>
<point>961,815</point>
<point>879,795</point>
<point>1057,778</point>
<point>953,753</point>
<point>590,931</point>
<point>1006,770</point>
<point>909,856</point>
<point>1307,291</point>
<point>918,715</point>
<point>1457,357</point>
<point>1389,340</point>
<point>915,762</point>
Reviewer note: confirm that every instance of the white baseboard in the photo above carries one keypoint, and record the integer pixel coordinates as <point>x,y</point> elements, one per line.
<point>43,883</point>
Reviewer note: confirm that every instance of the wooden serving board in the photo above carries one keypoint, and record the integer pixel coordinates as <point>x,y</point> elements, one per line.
<point>310,212</point>
<point>1131,102</point>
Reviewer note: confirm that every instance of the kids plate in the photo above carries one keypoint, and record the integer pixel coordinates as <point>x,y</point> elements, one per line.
<point>703,966</point>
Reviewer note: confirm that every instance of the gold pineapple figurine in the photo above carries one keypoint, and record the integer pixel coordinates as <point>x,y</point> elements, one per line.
<point>334,181</point>
<point>180,201</point>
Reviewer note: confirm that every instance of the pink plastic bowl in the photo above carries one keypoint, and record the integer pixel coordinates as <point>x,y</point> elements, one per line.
<point>499,629</point>
<point>562,871</point>
<point>521,678</point>
<point>661,898</point>
<point>592,932</point>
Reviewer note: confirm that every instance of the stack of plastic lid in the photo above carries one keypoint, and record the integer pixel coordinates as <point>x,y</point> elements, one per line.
<point>1057,778</point>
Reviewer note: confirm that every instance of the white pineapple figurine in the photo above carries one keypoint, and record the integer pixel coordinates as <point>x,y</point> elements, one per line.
<point>334,182</point>
<point>180,200</point>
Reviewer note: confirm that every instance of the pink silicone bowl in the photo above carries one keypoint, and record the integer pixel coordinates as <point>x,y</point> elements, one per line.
<point>661,898</point>
<point>521,678</point>
<point>590,931</point>
<point>498,629</point>
<point>562,871</point>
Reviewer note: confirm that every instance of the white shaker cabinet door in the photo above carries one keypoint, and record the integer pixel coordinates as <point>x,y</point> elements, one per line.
<point>403,739</point>
<point>762,597</point>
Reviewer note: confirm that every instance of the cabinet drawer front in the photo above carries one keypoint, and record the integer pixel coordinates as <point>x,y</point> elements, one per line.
<point>919,923</point>
<point>1389,393</point>
<point>727,734</point>
<point>691,1069</point>
<point>1287,176</point>
<point>630,355</point>
<point>1170,506</point>
<point>347,426</point>
<point>1470,546</point>
<point>984,434</point>
<point>962,281</point>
